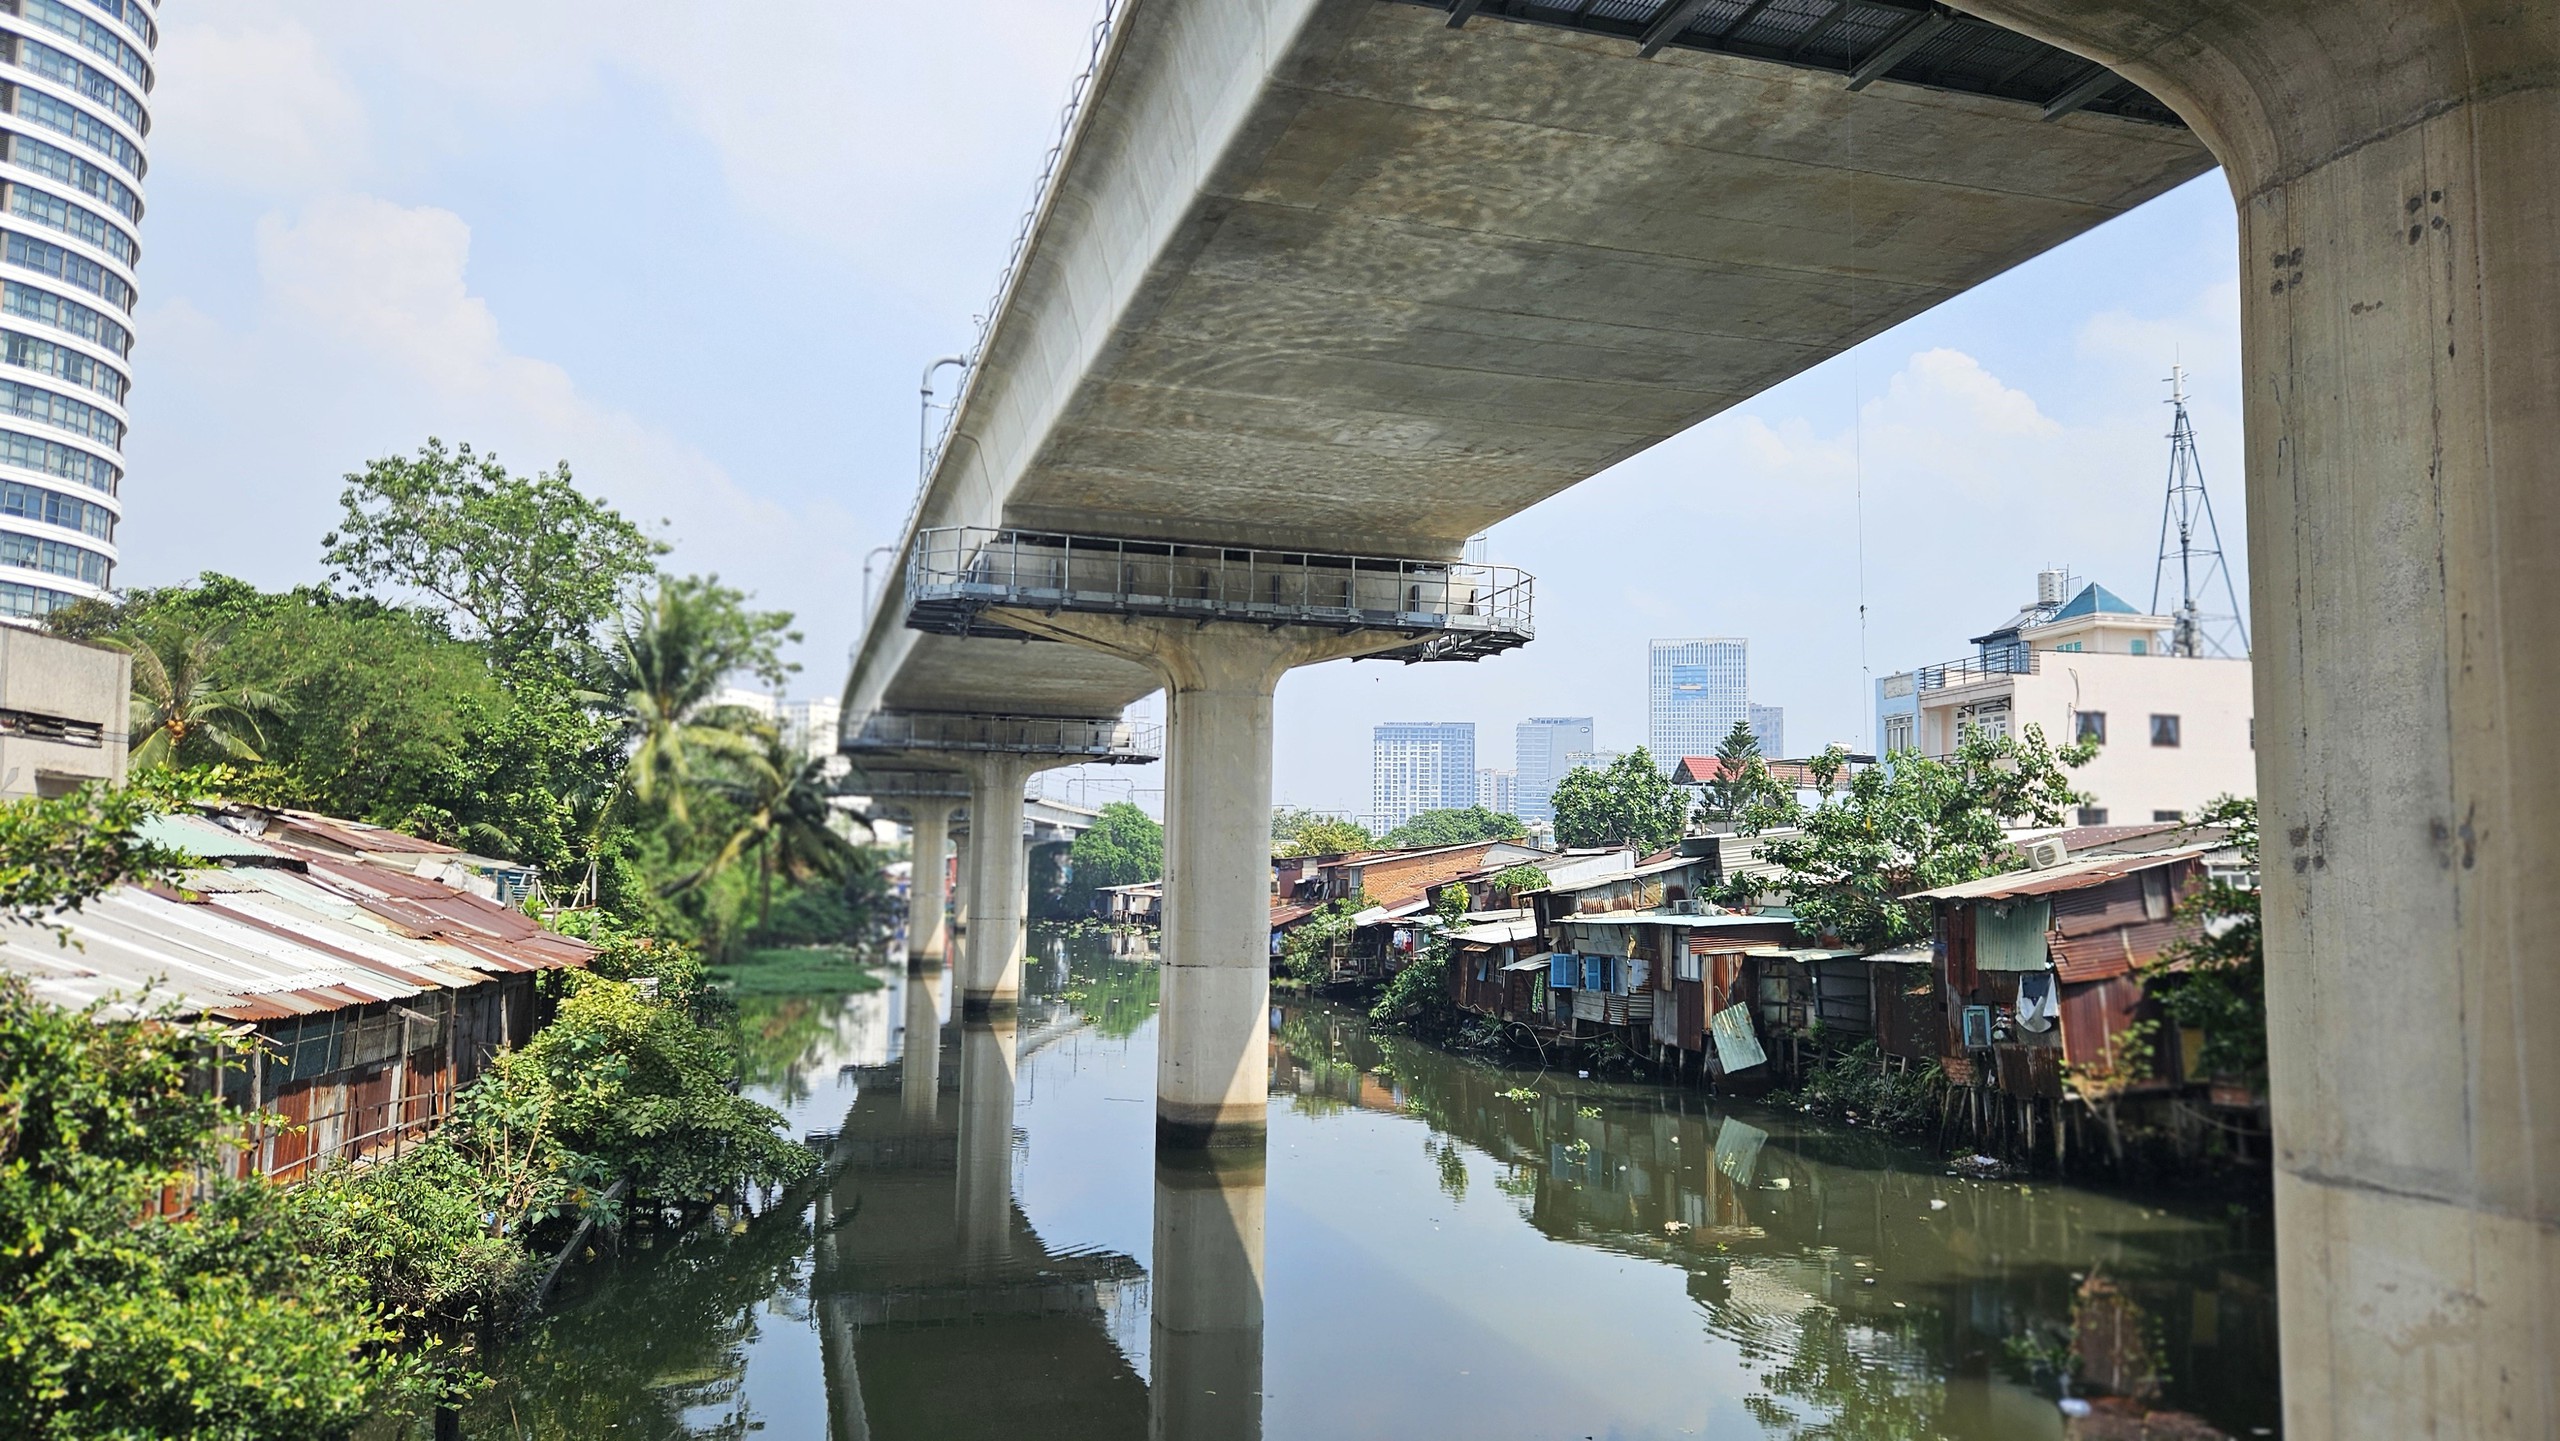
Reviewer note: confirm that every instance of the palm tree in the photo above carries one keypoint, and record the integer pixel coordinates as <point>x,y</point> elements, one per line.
<point>180,710</point>
<point>782,802</point>
<point>668,664</point>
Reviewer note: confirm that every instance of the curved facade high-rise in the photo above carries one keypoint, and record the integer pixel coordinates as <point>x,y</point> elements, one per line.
<point>75,82</point>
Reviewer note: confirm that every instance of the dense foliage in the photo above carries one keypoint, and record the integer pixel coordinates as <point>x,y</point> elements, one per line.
<point>1630,802</point>
<point>1742,778</point>
<point>2217,982</point>
<point>1846,862</point>
<point>1306,951</point>
<point>529,564</point>
<point>115,1323</point>
<point>1416,998</point>
<point>1297,832</point>
<point>1123,847</point>
<point>1454,827</point>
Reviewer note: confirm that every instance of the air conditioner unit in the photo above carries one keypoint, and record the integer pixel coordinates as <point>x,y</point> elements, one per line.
<point>1688,908</point>
<point>2045,854</point>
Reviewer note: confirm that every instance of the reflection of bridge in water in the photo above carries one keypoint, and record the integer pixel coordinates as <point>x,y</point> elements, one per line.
<point>942,1312</point>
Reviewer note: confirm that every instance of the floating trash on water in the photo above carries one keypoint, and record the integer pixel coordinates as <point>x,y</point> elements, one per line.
<point>1937,1204</point>
<point>1674,1228</point>
<point>1780,1184</point>
<point>2074,1406</point>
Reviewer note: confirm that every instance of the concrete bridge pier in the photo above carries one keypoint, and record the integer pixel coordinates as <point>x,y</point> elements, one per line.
<point>2394,168</point>
<point>1205,1340</point>
<point>997,881</point>
<point>983,1197</point>
<point>1211,1063</point>
<point>995,755</point>
<point>920,1059</point>
<point>928,918</point>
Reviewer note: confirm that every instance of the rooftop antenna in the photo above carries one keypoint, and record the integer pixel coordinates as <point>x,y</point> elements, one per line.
<point>2190,540</point>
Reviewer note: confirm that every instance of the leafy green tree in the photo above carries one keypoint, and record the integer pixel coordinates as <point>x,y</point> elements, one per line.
<point>1298,832</point>
<point>1741,780</point>
<point>1455,826</point>
<point>1123,847</point>
<point>530,564</point>
<point>185,709</point>
<point>783,820</point>
<point>669,663</point>
<point>1846,862</point>
<point>59,852</point>
<point>1629,803</point>
<point>1306,952</point>
<point>2218,980</point>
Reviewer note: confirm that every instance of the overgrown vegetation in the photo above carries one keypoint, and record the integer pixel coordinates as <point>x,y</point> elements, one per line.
<point>1856,1085</point>
<point>1306,952</point>
<point>2217,982</point>
<point>1416,998</point>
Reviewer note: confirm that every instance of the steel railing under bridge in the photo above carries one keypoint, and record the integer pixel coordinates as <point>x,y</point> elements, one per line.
<point>1454,610</point>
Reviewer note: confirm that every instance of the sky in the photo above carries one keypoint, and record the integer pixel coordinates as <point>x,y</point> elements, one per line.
<point>704,260</point>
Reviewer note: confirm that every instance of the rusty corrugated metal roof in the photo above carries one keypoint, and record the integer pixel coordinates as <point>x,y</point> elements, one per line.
<point>284,931</point>
<point>2069,876</point>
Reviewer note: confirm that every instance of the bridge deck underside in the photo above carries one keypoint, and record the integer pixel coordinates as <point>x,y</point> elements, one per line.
<point>1328,273</point>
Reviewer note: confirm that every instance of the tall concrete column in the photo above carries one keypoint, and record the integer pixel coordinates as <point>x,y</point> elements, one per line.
<point>1205,1286</point>
<point>999,875</point>
<point>1213,1037</point>
<point>956,937</point>
<point>920,1059</point>
<point>928,921</point>
<point>2394,166</point>
<point>983,1204</point>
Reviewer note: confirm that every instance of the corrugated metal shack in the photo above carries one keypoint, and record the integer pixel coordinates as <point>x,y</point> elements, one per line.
<point>377,993</point>
<point>2041,971</point>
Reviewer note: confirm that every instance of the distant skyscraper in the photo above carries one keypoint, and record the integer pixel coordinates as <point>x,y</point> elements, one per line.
<point>1497,791</point>
<point>1697,690</point>
<point>74,78</point>
<point>1417,766</point>
<point>1769,727</point>
<point>1539,762</point>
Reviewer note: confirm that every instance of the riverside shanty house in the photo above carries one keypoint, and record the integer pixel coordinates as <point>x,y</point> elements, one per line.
<point>1400,886</point>
<point>2041,974</point>
<point>376,988</point>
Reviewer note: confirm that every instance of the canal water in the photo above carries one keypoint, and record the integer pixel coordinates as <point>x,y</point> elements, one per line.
<point>1446,1248</point>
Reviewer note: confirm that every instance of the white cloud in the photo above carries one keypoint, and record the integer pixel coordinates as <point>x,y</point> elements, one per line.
<point>370,331</point>
<point>255,103</point>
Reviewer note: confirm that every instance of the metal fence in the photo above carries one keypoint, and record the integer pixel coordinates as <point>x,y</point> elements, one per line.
<point>2015,661</point>
<point>958,572</point>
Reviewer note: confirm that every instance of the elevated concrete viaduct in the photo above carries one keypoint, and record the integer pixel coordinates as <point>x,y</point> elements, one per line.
<point>1356,278</point>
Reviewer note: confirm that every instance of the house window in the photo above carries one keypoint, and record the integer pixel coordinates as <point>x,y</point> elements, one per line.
<point>2168,815</point>
<point>1897,733</point>
<point>2155,894</point>
<point>2164,730</point>
<point>1690,966</point>
<point>2090,725</point>
<point>2142,647</point>
<point>2093,815</point>
<point>2071,645</point>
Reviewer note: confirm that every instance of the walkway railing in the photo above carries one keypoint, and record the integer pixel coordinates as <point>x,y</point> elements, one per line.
<point>1102,740</point>
<point>2018,661</point>
<point>1455,610</point>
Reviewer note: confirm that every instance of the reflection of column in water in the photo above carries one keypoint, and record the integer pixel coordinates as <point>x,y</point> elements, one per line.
<point>1206,1347</point>
<point>920,1066</point>
<point>985,1192</point>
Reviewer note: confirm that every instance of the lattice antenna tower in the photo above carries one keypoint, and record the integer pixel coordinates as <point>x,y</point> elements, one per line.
<point>2191,543</point>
